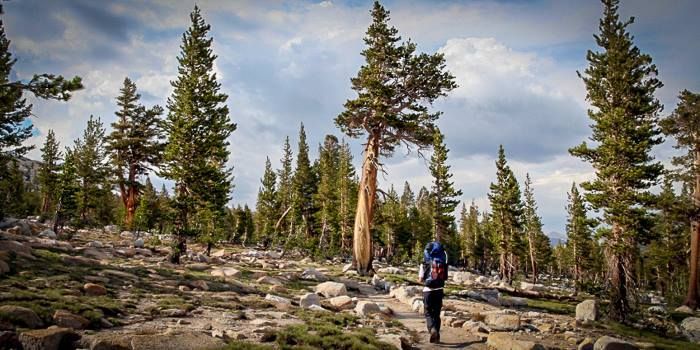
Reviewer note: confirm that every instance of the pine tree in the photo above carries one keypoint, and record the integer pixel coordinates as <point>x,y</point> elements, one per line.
<point>507,208</point>
<point>69,188</point>
<point>325,198</point>
<point>147,212</point>
<point>578,233</point>
<point>621,82</point>
<point>49,172</point>
<point>394,88</point>
<point>445,197</point>
<point>133,145</point>
<point>198,128</point>
<point>684,126</point>
<point>347,196</point>
<point>90,157</point>
<point>266,208</point>
<point>667,256</point>
<point>471,236</point>
<point>303,187</point>
<point>532,224</point>
<point>284,191</point>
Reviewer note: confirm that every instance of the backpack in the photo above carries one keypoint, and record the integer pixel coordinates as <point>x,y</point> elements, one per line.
<point>435,261</point>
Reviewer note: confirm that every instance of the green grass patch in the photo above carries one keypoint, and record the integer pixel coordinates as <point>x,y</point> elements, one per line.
<point>241,345</point>
<point>550,306</point>
<point>323,330</point>
<point>175,302</point>
<point>660,342</point>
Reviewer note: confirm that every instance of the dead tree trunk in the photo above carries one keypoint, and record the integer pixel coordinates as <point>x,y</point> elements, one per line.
<point>362,239</point>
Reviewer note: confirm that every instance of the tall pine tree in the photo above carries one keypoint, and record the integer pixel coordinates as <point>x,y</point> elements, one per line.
<point>266,208</point>
<point>684,126</point>
<point>325,198</point>
<point>90,156</point>
<point>532,224</point>
<point>198,127</point>
<point>284,191</point>
<point>507,211</point>
<point>395,86</point>
<point>303,187</point>
<point>347,196</point>
<point>49,172</point>
<point>578,233</point>
<point>14,110</point>
<point>134,145</point>
<point>445,197</point>
<point>621,81</point>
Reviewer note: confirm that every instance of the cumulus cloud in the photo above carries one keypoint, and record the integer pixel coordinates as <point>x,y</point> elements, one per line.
<point>286,62</point>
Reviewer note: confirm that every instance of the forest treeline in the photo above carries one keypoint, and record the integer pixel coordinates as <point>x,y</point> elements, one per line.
<point>639,239</point>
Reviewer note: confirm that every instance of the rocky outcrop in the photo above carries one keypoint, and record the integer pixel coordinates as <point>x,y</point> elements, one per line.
<point>587,312</point>
<point>610,343</point>
<point>331,289</point>
<point>309,299</point>
<point>66,319</point>
<point>505,322</point>
<point>20,316</point>
<point>691,328</point>
<point>505,341</point>
<point>313,275</point>
<point>53,338</point>
<point>367,308</point>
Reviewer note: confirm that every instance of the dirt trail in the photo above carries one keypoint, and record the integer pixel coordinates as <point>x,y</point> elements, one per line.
<point>451,338</point>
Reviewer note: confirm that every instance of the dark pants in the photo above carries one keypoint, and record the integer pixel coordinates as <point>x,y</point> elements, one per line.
<point>432,304</point>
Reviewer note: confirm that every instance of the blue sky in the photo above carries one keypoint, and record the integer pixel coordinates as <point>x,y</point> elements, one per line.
<point>287,62</point>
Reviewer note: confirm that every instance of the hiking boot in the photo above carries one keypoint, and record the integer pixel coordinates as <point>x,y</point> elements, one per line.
<point>434,336</point>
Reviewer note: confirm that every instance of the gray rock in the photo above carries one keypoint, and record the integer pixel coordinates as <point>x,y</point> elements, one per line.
<point>331,289</point>
<point>341,302</point>
<point>20,316</point>
<point>198,267</point>
<point>66,319</point>
<point>309,299</point>
<point>691,328</point>
<point>405,294</point>
<point>587,311</point>
<point>53,338</point>
<point>173,313</point>
<point>683,309</point>
<point>48,233</point>
<point>138,243</point>
<point>396,340</point>
<point>463,277</point>
<point>278,299</point>
<point>610,343</point>
<point>586,344</point>
<point>503,321</point>
<point>367,308</point>
<point>168,341</point>
<point>505,341</point>
<point>226,272</point>
<point>391,270</point>
<point>313,275</point>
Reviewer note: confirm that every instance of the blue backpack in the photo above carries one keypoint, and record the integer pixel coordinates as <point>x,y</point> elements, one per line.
<point>435,265</point>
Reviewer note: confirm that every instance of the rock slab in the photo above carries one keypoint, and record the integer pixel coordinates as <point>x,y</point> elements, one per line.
<point>610,343</point>
<point>505,341</point>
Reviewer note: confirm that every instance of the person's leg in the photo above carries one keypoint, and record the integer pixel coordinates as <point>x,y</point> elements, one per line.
<point>427,311</point>
<point>437,307</point>
<point>437,303</point>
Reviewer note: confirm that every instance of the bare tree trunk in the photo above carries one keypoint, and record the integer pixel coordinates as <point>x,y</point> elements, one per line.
<point>362,239</point>
<point>691,299</point>
<point>532,257</point>
<point>576,269</point>
<point>620,272</point>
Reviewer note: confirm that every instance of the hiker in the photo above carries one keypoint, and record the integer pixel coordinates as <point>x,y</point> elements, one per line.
<point>433,273</point>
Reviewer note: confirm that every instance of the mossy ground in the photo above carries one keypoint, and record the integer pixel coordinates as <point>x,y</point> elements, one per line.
<point>321,330</point>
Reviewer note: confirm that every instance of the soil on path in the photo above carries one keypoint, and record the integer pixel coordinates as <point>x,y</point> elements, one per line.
<point>450,338</point>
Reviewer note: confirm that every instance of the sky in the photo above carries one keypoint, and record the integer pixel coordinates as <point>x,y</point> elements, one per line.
<point>287,62</point>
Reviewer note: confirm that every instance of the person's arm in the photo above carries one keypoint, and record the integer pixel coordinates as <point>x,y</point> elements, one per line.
<point>421,271</point>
